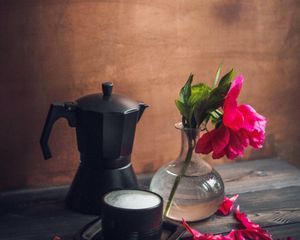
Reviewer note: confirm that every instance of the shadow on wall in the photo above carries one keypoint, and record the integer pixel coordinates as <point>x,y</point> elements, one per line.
<point>229,12</point>
<point>35,68</point>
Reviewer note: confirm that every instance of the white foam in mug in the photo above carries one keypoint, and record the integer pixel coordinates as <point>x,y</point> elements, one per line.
<point>132,199</point>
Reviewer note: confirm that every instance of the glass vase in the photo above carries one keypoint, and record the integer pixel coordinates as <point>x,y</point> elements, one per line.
<point>191,188</point>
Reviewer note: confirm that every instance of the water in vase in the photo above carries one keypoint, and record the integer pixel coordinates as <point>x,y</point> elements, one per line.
<point>199,194</point>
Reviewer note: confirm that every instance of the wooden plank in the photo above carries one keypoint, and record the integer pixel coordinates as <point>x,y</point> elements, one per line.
<point>41,221</point>
<point>268,208</point>
<point>257,175</point>
<point>38,214</point>
<point>284,231</point>
<point>278,232</point>
<point>269,194</point>
<point>239,177</point>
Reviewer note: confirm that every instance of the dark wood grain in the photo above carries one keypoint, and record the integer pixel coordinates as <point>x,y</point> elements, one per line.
<point>269,208</point>
<point>269,192</point>
<point>250,176</point>
<point>280,232</point>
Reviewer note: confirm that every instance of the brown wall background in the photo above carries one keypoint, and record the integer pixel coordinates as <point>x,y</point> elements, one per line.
<point>59,50</point>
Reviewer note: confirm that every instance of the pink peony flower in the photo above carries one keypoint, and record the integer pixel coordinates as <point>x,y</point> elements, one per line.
<point>241,126</point>
<point>227,205</point>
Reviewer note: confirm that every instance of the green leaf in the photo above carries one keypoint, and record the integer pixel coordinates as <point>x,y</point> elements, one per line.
<point>219,112</point>
<point>227,78</point>
<point>217,96</point>
<point>217,75</point>
<point>211,103</point>
<point>216,116</point>
<point>180,107</point>
<point>219,93</point>
<point>199,92</point>
<point>184,110</point>
<point>200,111</point>
<point>185,91</point>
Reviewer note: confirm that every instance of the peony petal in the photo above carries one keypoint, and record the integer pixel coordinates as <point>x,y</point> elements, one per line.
<point>232,117</point>
<point>251,231</point>
<point>201,236</point>
<point>231,153</point>
<point>220,141</point>
<point>250,116</point>
<point>257,139</point>
<point>234,235</point>
<point>204,144</point>
<point>235,88</point>
<point>227,205</point>
<point>230,108</point>
<point>195,233</point>
<point>239,140</point>
<point>260,125</point>
<point>242,217</point>
<point>256,234</point>
<point>217,155</point>
<point>215,140</point>
<point>252,120</point>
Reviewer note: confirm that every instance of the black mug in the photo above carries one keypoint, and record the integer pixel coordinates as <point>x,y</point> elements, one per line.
<point>132,215</point>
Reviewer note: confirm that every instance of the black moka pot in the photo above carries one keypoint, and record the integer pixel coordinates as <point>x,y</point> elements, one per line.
<point>105,127</point>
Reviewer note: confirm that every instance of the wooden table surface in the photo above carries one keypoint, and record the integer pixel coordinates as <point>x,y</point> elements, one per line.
<point>269,192</point>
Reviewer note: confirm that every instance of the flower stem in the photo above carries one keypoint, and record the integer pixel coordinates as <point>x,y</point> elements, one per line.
<point>181,174</point>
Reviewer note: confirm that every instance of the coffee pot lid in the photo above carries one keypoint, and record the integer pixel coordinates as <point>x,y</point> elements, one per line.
<point>106,102</point>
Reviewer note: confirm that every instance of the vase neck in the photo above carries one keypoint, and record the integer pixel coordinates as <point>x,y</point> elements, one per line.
<point>189,138</point>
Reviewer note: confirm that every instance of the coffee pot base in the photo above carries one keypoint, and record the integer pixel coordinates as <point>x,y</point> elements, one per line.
<point>90,184</point>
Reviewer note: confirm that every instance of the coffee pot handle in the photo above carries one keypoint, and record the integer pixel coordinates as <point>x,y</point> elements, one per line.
<point>56,111</point>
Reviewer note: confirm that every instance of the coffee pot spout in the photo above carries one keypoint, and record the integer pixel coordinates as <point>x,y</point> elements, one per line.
<point>142,106</point>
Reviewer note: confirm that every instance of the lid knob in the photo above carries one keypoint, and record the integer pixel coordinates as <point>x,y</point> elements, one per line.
<point>107,88</point>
